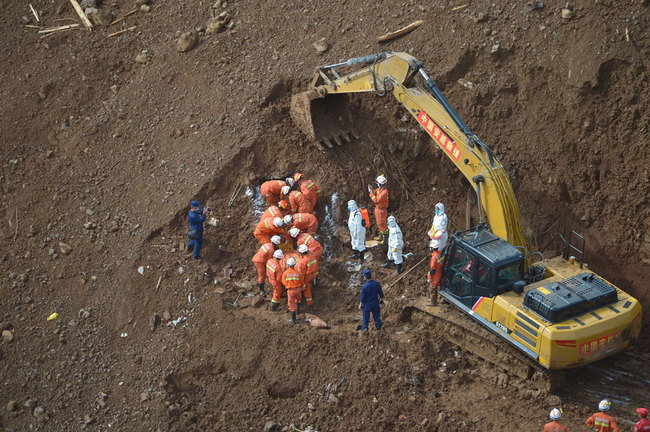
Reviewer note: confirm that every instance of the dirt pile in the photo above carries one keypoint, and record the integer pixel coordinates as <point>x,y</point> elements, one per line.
<point>106,139</point>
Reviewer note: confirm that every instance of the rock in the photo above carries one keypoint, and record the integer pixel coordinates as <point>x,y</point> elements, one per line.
<point>144,57</point>
<point>102,18</point>
<point>65,248</point>
<point>88,4</point>
<point>40,414</point>
<point>495,48</point>
<point>321,45</point>
<point>215,25</point>
<point>166,315</point>
<point>187,41</point>
<point>271,426</point>
<point>142,2</point>
<point>7,336</point>
<point>310,406</point>
<point>216,4</point>
<point>91,11</point>
<point>481,17</point>
<point>145,8</point>
<point>333,399</point>
<point>83,314</point>
<point>153,322</point>
<point>11,405</point>
<point>24,20</point>
<point>567,14</point>
<point>114,226</point>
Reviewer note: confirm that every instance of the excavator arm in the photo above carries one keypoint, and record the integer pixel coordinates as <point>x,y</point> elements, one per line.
<point>322,113</point>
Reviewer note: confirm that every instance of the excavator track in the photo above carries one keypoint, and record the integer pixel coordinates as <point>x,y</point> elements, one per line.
<point>472,337</point>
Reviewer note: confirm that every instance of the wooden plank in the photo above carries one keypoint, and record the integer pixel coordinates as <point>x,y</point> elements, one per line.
<point>401,32</point>
<point>82,15</point>
<point>63,27</point>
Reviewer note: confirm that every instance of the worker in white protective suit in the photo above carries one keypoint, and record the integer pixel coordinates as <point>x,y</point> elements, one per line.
<point>395,244</point>
<point>357,228</point>
<point>438,229</point>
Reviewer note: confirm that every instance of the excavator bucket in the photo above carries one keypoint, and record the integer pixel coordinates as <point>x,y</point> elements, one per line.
<point>327,120</point>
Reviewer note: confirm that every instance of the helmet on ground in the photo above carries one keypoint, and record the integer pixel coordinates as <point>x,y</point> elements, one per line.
<point>285,190</point>
<point>276,239</point>
<point>278,254</point>
<point>604,405</point>
<point>283,205</point>
<point>381,180</point>
<point>556,414</point>
<point>352,205</point>
<point>277,222</point>
<point>294,232</point>
<point>440,208</point>
<point>287,219</point>
<point>391,221</point>
<point>290,181</point>
<point>642,412</point>
<point>297,176</point>
<point>291,262</point>
<point>303,249</point>
<point>434,244</point>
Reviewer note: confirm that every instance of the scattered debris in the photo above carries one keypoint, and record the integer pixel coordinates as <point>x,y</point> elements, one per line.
<point>461,7</point>
<point>84,19</point>
<point>53,316</point>
<point>401,32</point>
<point>144,57</point>
<point>119,33</point>
<point>123,335</point>
<point>158,283</point>
<point>141,270</point>
<point>65,248</point>
<point>154,321</point>
<point>177,321</point>
<point>122,18</point>
<point>315,321</point>
<point>567,14</point>
<point>235,192</point>
<point>321,45</point>
<point>187,41</point>
<point>59,28</point>
<point>7,336</point>
<point>38,20</point>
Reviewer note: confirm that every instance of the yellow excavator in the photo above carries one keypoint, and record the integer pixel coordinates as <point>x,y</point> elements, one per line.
<point>555,311</point>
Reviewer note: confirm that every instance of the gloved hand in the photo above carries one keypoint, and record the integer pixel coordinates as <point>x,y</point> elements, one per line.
<point>369,189</point>
<point>360,306</point>
<point>394,250</point>
<point>432,272</point>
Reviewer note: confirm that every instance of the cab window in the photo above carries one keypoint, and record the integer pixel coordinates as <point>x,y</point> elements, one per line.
<point>484,274</point>
<point>507,276</point>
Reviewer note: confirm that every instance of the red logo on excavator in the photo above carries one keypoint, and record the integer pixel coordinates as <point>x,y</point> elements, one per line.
<point>439,135</point>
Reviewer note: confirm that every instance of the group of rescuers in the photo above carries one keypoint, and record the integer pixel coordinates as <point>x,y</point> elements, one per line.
<point>600,421</point>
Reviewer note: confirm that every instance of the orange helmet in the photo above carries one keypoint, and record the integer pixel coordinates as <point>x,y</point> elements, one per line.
<point>283,205</point>
<point>297,176</point>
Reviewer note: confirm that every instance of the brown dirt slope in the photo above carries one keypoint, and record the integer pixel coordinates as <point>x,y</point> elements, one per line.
<point>101,154</point>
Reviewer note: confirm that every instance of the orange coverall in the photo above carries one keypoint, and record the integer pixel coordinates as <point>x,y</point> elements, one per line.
<point>313,245</point>
<point>310,190</point>
<point>380,197</point>
<point>300,203</point>
<point>554,426</point>
<point>293,282</point>
<point>272,212</point>
<point>265,230</point>
<point>437,261</point>
<point>308,268</point>
<point>271,190</point>
<point>305,222</point>
<point>274,273</point>
<point>264,254</point>
<point>603,422</point>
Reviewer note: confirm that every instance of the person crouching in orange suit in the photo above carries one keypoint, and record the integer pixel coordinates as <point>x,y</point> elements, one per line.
<point>274,273</point>
<point>380,197</point>
<point>308,268</point>
<point>267,228</point>
<point>272,190</point>
<point>264,254</point>
<point>293,282</point>
<point>305,222</point>
<point>297,200</point>
<point>435,274</point>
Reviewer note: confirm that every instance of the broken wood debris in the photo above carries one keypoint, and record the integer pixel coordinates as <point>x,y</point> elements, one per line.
<point>235,192</point>
<point>158,284</point>
<point>34,12</point>
<point>122,18</point>
<point>121,31</point>
<point>84,19</point>
<point>461,7</point>
<point>409,28</point>
<point>59,28</point>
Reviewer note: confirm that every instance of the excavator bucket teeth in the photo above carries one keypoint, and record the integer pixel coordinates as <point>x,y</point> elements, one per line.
<point>323,119</point>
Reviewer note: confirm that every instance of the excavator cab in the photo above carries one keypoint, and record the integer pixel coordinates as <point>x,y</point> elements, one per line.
<point>480,264</point>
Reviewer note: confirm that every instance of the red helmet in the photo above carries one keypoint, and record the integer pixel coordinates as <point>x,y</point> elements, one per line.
<point>642,412</point>
<point>283,205</point>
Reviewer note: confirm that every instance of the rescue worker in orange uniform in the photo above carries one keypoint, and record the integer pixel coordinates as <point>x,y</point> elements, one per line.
<point>555,425</point>
<point>308,240</point>
<point>380,197</point>
<point>267,228</point>
<point>298,202</point>
<point>308,268</point>
<point>264,254</point>
<point>435,273</point>
<point>601,421</point>
<point>274,273</point>
<point>293,282</point>
<point>272,190</point>
<point>308,188</point>
<point>279,210</point>
<point>305,222</point>
<point>643,425</point>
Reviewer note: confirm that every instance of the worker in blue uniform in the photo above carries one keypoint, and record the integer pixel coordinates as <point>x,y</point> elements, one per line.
<point>196,217</point>
<point>371,297</point>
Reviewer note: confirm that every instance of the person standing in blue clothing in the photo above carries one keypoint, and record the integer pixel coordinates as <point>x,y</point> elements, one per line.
<point>371,297</point>
<point>196,218</point>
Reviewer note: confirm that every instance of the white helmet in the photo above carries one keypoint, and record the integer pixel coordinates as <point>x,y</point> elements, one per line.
<point>290,181</point>
<point>556,414</point>
<point>278,254</point>
<point>440,209</point>
<point>288,219</point>
<point>291,262</point>
<point>303,249</point>
<point>277,222</point>
<point>381,180</point>
<point>604,405</point>
<point>276,239</point>
<point>434,244</point>
<point>285,190</point>
<point>294,232</point>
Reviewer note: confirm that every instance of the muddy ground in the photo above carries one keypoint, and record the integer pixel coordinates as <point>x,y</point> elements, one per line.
<point>101,155</point>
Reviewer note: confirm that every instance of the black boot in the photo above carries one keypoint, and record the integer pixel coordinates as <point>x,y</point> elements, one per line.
<point>293,317</point>
<point>387,263</point>
<point>274,306</point>
<point>399,269</point>
<point>355,254</point>
<point>362,256</point>
<point>261,287</point>
<point>383,238</point>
